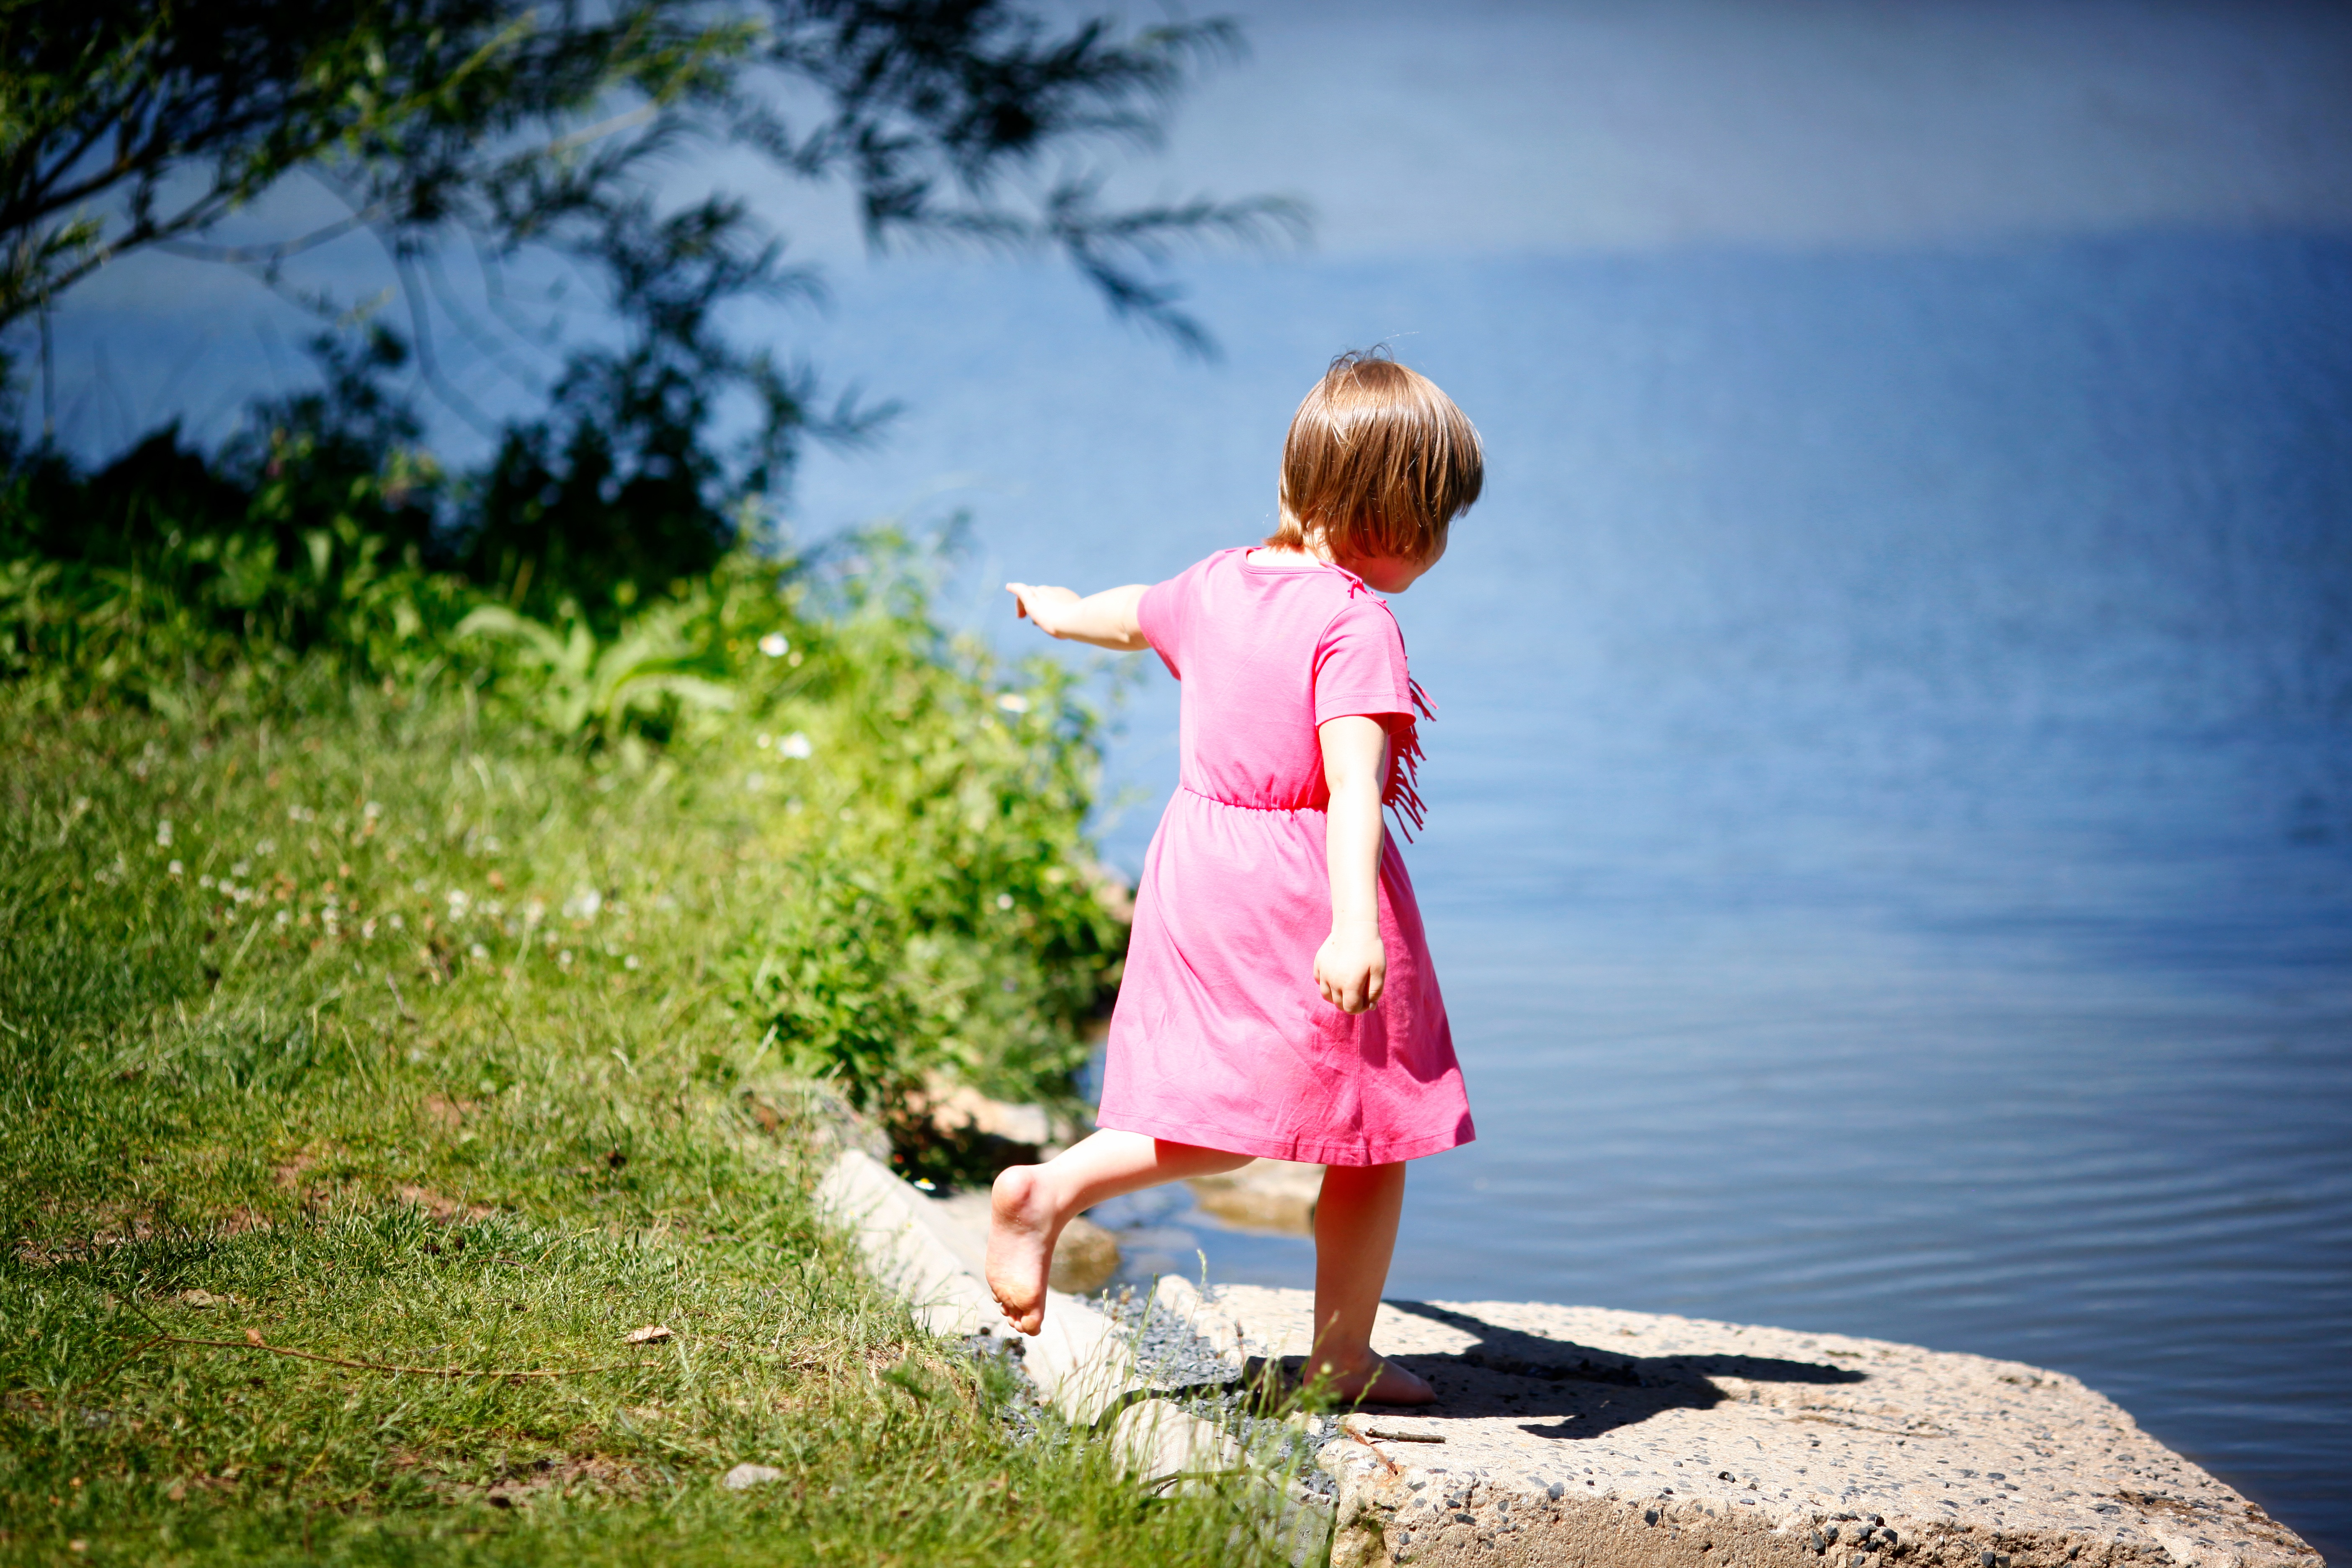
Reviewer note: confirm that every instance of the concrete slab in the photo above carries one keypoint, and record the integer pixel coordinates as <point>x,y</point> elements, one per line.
<point>1168,1446</point>
<point>924,1248</point>
<point>918,1251</point>
<point>1581,1434</point>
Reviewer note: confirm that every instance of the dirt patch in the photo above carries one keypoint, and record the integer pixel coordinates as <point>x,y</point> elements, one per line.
<point>446,1115</point>
<point>593,1475</point>
<point>446,1210</point>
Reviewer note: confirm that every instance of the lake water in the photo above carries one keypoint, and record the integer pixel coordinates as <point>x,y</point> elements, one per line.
<point>1890,856</point>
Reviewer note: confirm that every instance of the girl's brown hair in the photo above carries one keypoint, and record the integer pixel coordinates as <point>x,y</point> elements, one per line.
<point>1378,462</point>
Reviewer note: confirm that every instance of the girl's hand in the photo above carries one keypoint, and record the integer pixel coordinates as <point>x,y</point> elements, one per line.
<point>1350,968</point>
<point>1107,619</point>
<point>1050,607</point>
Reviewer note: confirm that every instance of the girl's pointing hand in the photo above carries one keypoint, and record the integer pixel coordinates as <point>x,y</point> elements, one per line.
<point>1108,619</point>
<point>1048,606</point>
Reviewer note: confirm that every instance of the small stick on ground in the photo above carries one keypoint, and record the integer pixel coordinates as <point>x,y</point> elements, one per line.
<point>1383,1458</point>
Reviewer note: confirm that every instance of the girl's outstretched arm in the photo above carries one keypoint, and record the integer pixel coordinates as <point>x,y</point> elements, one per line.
<point>1351,965</point>
<point>1107,619</point>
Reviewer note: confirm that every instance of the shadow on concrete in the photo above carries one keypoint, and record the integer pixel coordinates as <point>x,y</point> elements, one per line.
<point>1581,1391</point>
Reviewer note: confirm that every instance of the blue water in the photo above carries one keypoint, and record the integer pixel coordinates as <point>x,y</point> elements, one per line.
<point>1890,859</point>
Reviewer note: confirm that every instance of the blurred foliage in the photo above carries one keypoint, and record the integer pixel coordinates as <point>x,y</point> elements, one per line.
<point>586,687</point>
<point>605,586</point>
<point>937,914</point>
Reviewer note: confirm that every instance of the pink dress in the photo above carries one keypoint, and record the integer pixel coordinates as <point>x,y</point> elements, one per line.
<point>1220,1037</point>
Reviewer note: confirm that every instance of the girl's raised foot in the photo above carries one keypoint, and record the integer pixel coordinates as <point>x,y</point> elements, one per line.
<point>1021,1227</point>
<point>1381,1383</point>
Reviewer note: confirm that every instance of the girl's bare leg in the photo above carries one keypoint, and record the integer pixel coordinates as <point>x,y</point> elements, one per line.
<point>1032,1202</point>
<point>1355,1235</point>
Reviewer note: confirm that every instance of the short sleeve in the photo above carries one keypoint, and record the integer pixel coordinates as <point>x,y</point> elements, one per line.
<point>1161,616</point>
<point>1359,664</point>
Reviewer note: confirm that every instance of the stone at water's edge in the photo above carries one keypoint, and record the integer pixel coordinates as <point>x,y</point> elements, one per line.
<point>1264,1194</point>
<point>1580,1435</point>
<point>1085,1258</point>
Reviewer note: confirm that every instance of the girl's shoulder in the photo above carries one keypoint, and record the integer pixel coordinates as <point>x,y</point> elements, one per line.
<point>1321,598</point>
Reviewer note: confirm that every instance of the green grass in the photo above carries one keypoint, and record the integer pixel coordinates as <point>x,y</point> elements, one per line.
<point>402,1092</point>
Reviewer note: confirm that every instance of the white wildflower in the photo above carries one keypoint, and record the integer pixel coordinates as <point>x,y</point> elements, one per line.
<point>163,834</point>
<point>264,847</point>
<point>534,912</point>
<point>242,869</point>
<point>477,950</point>
<point>367,931</point>
<point>775,645</point>
<point>207,881</point>
<point>285,917</point>
<point>754,783</point>
<point>563,959</point>
<point>1004,900</point>
<point>174,868</point>
<point>372,810</point>
<point>630,962</point>
<point>763,741</point>
<point>584,905</point>
<point>399,925</point>
<point>795,746</point>
<point>1012,702</point>
<point>460,901</point>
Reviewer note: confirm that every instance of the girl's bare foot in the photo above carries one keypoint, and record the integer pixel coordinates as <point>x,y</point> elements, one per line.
<point>1378,1383</point>
<point>1021,1227</point>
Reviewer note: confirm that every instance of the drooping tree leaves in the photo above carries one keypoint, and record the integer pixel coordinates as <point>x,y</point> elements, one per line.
<point>128,125</point>
<point>491,131</point>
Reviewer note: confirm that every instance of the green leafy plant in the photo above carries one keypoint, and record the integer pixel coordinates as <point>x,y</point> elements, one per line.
<point>582,687</point>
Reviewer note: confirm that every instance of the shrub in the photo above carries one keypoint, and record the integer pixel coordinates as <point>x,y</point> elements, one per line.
<point>917,811</point>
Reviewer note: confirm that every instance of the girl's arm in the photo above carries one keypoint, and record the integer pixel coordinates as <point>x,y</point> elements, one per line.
<point>1351,966</point>
<point>1107,619</point>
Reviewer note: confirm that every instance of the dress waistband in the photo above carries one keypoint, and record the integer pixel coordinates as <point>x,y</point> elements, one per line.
<point>1244,805</point>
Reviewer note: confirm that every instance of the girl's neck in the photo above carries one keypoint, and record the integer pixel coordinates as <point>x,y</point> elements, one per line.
<point>1312,550</point>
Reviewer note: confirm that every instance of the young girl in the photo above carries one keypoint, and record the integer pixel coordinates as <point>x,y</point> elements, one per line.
<point>1277,999</point>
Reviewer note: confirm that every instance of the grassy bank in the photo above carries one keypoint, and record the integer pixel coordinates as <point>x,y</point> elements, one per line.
<point>367,1027</point>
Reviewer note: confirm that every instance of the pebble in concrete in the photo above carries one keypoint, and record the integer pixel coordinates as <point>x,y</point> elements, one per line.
<point>743,1478</point>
